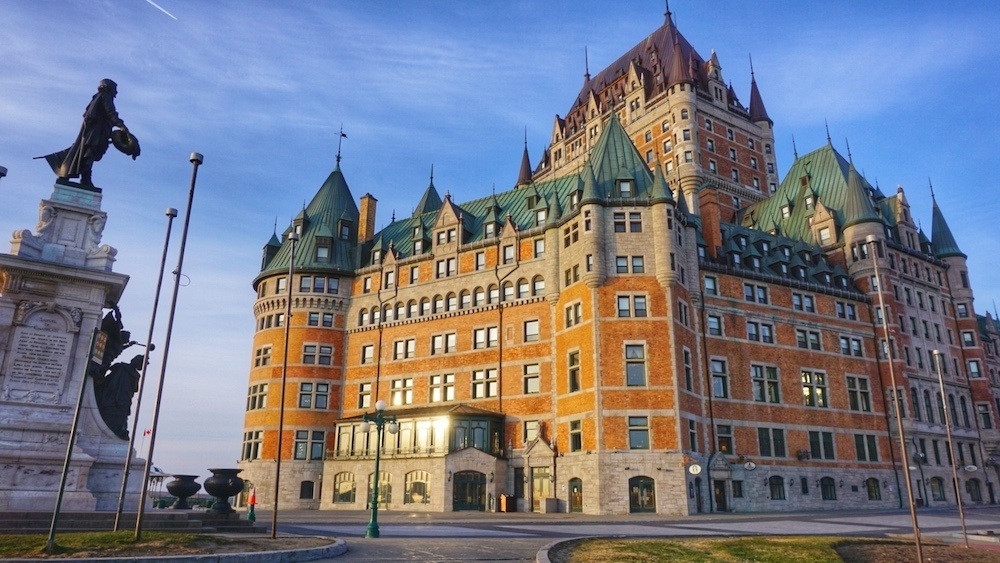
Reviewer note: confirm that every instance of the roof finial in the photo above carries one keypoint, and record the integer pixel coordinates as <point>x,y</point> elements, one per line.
<point>586,64</point>
<point>667,13</point>
<point>432,173</point>
<point>751,65</point>
<point>827,125</point>
<point>929,184</point>
<point>339,140</point>
<point>393,216</point>
<point>849,157</point>
<point>795,150</point>
<point>525,136</point>
<point>275,224</point>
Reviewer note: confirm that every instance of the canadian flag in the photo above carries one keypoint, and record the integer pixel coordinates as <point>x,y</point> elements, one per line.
<point>147,432</point>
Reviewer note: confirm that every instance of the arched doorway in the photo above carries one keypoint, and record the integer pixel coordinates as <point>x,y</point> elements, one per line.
<point>575,495</point>
<point>642,494</point>
<point>469,491</point>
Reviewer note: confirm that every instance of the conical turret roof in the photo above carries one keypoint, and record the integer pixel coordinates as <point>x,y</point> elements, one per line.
<point>942,240</point>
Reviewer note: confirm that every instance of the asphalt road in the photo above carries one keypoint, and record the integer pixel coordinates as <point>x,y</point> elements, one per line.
<point>491,537</point>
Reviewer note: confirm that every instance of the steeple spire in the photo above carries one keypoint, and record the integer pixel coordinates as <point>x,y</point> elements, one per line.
<point>795,150</point>
<point>828,140</point>
<point>586,66</point>
<point>757,111</point>
<point>942,240</point>
<point>524,175</point>
<point>667,15</point>
<point>850,158</point>
<point>339,141</point>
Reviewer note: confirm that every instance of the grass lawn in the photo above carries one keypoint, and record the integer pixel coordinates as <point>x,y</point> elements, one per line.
<point>763,549</point>
<point>123,544</point>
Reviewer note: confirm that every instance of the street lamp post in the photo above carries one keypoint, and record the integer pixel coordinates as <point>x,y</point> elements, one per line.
<point>897,398</point>
<point>380,420</point>
<point>951,447</point>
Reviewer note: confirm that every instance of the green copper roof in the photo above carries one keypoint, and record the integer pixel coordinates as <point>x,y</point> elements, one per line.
<point>614,157</point>
<point>825,176</point>
<point>942,240</point>
<point>332,207</point>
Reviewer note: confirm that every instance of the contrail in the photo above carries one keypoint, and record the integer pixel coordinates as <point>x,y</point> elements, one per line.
<point>157,6</point>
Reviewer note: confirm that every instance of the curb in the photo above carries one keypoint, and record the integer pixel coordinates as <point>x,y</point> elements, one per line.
<point>337,548</point>
<point>543,553</point>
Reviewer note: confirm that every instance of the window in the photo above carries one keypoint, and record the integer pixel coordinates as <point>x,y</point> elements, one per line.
<point>631,305</point>
<point>508,254</point>
<point>635,364</point>
<point>403,349</point>
<point>821,445</point>
<point>571,233</point>
<point>805,303</point>
<point>635,222</point>
<point>262,356</point>
<point>316,354</point>
<point>638,265</point>
<point>575,435</point>
<point>872,487</point>
<point>974,369</point>
<point>619,222</point>
<point>850,346</point>
<point>732,154</point>
<point>484,383</point>
<point>754,293</point>
<point>720,379</point>
<point>364,395</point>
<point>573,364</point>
<point>828,488</point>
<point>963,310</point>
<point>257,397</point>
<point>985,419</point>
<point>252,444</point>
<point>314,396</point>
<point>688,372</point>
<point>530,430</point>
<point>484,337</point>
<point>724,435</point>
<point>711,285</point>
<point>367,285</point>
<point>715,325</point>
<point>776,485</point>
<point>309,444</point>
<point>402,391</point>
<point>280,286</point>
<point>638,433</point>
<point>866,447</point>
<point>443,343</point>
<point>771,442</point>
<point>808,339</point>
<point>313,319</point>
<point>327,320</point>
<point>539,245</point>
<point>814,392</point>
<point>446,268</point>
<point>480,261</point>
<point>847,311</point>
<point>858,395</point>
<point>531,331</point>
<point>532,382</point>
<point>417,487</point>
<point>442,388</point>
<point>573,314</point>
<point>766,386</point>
<point>367,353</point>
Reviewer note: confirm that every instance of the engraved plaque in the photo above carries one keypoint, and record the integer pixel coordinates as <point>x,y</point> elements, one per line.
<point>38,359</point>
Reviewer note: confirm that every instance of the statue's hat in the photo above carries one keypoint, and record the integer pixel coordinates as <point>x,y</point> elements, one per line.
<point>125,142</point>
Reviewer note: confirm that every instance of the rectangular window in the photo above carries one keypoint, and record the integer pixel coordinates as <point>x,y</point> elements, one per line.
<point>771,442</point>
<point>262,356</point>
<point>404,349</point>
<point>724,434</point>
<point>814,391</point>
<point>974,371</point>
<point>402,391</point>
<point>484,383</point>
<point>715,325</point>
<point>508,254</point>
<point>251,444</point>
<point>766,386</point>
<point>367,353</point>
<point>532,381</point>
<point>530,430</point>
<point>309,444</point>
<point>985,419</point>
<point>573,314</point>
<point>821,445</point>
<point>257,397</point>
<point>866,447</point>
<point>711,285</point>
<point>480,261</point>
<point>638,433</point>
<point>575,435</point>
<point>635,364</point>
<point>484,337</point>
<point>531,331</point>
<point>442,388</point>
<point>858,394</point>
<point>364,395</point>
<point>808,339</point>
<point>539,248</point>
<point>313,319</point>
<point>573,364</point>
<point>314,396</point>
<point>638,265</point>
<point>688,372</point>
<point>720,379</point>
<point>755,293</point>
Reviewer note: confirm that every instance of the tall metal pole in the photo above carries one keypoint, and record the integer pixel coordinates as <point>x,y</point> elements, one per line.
<point>196,160</point>
<point>896,398</point>
<point>294,238</point>
<point>379,419</point>
<point>951,447</point>
<point>50,543</point>
<point>171,214</point>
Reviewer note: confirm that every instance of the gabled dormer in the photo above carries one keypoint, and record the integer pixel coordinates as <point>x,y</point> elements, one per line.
<point>492,220</point>
<point>447,227</point>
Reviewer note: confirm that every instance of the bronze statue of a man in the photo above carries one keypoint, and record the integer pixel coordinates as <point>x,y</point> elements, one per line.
<point>95,135</point>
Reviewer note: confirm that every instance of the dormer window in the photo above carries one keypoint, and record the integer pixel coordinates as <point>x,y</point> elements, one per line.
<point>345,230</point>
<point>298,229</point>
<point>786,210</point>
<point>540,217</point>
<point>417,232</point>
<point>490,230</point>
<point>809,202</point>
<point>323,253</point>
<point>574,199</point>
<point>377,257</point>
<point>418,247</point>
<point>625,188</point>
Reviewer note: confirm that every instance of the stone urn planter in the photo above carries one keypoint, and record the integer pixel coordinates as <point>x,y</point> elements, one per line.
<point>223,484</point>
<point>182,487</point>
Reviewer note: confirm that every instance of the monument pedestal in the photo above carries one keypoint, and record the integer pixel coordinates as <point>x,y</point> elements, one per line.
<point>54,286</point>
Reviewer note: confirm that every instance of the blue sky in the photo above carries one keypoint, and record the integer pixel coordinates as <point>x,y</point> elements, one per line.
<point>262,88</point>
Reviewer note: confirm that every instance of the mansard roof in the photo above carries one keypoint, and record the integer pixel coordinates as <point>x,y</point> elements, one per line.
<point>332,206</point>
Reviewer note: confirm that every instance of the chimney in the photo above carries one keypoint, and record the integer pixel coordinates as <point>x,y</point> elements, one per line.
<point>366,226</point>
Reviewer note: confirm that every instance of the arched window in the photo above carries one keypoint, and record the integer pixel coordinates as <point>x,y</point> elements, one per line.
<point>425,307</point>
<point>387,312</point>
<point>928,406</point>
<point>952,409</point>
<point>465,299</point>
<point>494,294</point>
<point>400,310</point>
<point>438,304</point>
<point>375,315</point>
<point>344,487</point>
<point>362,316</point>
<point>384,488</point>
<point>411,309</point>
<point>777,485</point>
<point>874,491</point>
<point>451,303</point>
<point>306,489</point>
<point>828,488</point>
<point>965,411</point>
<point>508,291</point>
<point>418,489</point>
<point>940,404</point>
<point>522,288</point>
<point>915,397</point>
<point>937,489</point>
<point>538,286</point>
<point>479,297</point>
